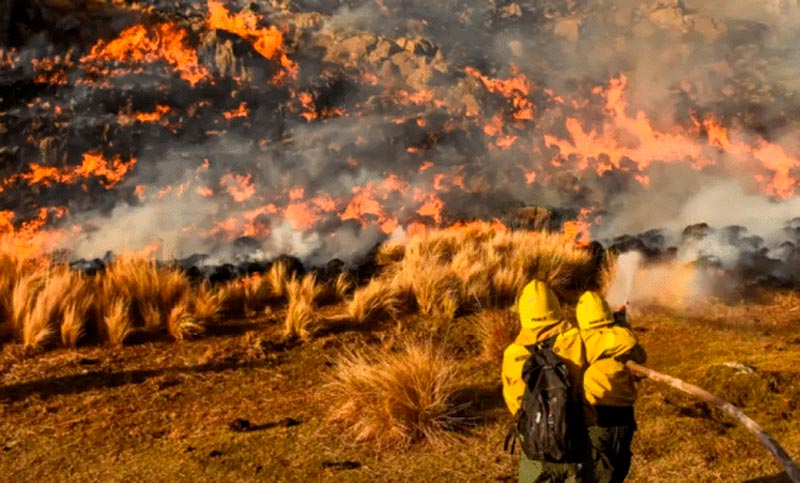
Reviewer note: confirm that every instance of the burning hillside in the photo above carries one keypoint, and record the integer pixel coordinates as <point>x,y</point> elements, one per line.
<point>247,130</point>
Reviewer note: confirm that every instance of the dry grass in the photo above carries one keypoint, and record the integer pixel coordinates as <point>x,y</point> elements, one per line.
<point>302,295</point>
<point>252,294</point>
<point>496,330</point>
<point>435,288</point>
<point>152,291</point>
<point>11,270</point>
<point>181,322</point>
<point>438,274</point>
<point>336,290</point>
<point>40,302</point>
<point>233,298</point>
<point>23,297</point>
<point>394,399</point>
<point>389,253</point>
<point>462,269</point>
<point>342,286</point>
<point>300,316</point>
<point>76,319</point>
<point>277,278</point>
<point>375,302</point>
<point>116,325</point>
<point>207,304</point>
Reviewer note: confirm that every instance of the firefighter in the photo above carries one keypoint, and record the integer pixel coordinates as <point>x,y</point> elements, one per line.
<point>541,318</point>
<point>608,386</point>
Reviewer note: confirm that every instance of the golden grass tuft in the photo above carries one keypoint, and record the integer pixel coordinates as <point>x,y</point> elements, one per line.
<point>37,331</point>
<point>496,330</point>
<point>75,320</point>
<point>471,267</point>
<point>41,302</point>
<point>250,295</point>
<point>152,291</point>
<point>435,287</point>
<point>374,302</point>
<point>389,253</point>
<point>207,304</point>
<point>299,318</point>
<point>395,399</point>
<point>181,322</point>
<point>116,325</point>
<point>277,278</point>
<point>233,298</point>
<point>150,314</point>
<point>336,290</point>
<point>11,270</point>
<point>302,295</point>
<point>342,286</point>
<point>23,297</point>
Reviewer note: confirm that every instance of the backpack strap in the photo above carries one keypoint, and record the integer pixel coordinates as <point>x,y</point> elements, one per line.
<point>510,442</point>
<point>512,435</point>
<point>543,344</point>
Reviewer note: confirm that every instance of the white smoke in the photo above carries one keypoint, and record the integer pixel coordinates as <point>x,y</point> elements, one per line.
<point>679,57</point>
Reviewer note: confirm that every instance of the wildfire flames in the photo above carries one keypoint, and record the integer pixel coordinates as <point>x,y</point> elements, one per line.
<point>305,134</point>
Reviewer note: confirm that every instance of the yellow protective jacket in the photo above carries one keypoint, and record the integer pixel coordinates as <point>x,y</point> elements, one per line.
<point>568,346</point>
<point>607,382</point>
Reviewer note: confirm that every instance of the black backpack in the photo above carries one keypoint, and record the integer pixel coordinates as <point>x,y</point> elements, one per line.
<point>550,423</point>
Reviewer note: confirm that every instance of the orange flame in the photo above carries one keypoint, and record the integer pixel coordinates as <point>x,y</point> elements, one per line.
<point>266,41</point>
<point>309,109</point>
<point>578,229</point>
<point>239,186</point>
<point>155,116</point>
<point>624,137</point>
<point>162,42</point>
<point>772,156</point>
<point>29,240</point>
<point>241,111</point>
<point>516,88</point>
<point>51,70</point>
<point>92,165</point>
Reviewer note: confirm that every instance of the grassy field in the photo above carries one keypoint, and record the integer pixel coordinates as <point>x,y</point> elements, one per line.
<point>281,393</point>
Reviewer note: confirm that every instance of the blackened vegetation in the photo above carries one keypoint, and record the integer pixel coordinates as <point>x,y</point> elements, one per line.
<point>408,39</point>
<point>750,262</point>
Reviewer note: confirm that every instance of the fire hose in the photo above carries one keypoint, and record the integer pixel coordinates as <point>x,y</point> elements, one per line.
<point>789,467</point>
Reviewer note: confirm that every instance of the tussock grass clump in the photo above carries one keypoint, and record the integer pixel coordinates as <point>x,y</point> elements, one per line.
<point>233,298</point>
<point>302,295</point>
<point>207,304</point>
<point>375,301</point>
<point>48,303</point>
<point>76,320</point>
<point>181,322</point>
<point>116,325</point>
<point>342,286</point>
<point>11,270</point>
<point>466,268</point>
<point>335,290</point>
<point>151,291</point>
<point>389,253</point>
<point>23,297</point>
<point>253,294</point>
<point>496,330</point>
<point>435,288</point>
<point>277,279</point>
<point>395,399</point>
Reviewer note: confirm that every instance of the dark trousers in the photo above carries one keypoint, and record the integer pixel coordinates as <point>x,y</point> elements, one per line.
<point>611,443</point>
